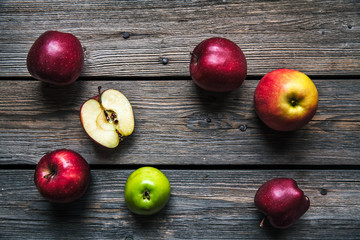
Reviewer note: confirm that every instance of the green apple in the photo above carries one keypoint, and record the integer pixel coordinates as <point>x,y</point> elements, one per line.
<point>147,190</point>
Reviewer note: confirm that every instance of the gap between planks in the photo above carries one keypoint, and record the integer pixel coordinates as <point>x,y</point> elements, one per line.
<point>199,167</point>
<point>170,78</point>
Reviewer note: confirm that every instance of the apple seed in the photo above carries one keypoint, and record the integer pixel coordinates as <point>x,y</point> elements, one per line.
<point>114,118</point>
<point>194,56</point>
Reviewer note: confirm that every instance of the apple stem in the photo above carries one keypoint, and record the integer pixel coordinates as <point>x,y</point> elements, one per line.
<point>99,90</point>
<point>99,99</point>
<point>193,55</point>
<point>262,222</point>
<point>48,176</point>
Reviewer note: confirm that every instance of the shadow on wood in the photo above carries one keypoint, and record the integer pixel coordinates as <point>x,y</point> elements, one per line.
<point>57,96</point>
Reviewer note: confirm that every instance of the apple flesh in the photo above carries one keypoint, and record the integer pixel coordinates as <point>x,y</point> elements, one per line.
<point>147,190</point>
<point>282,201</point>
<point>218,65</point>
<point>56,58</point>
<point>286,99</point>
<point>107,118</point>
<point>62,176</point>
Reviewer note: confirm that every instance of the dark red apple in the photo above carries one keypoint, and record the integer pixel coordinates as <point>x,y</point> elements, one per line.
<point>282,201</point>
<point>218,65</point>
<point>62,176</point>
<point>56,57</point>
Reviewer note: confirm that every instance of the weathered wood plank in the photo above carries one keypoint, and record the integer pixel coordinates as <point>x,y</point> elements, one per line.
<point>177,123</point>
<point>204,204</point>
<point>316,37</point>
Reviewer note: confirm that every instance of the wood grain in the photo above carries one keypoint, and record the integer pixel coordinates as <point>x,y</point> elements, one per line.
<point>316,37</point>
<point>176,123</point>
<point>204,204</point>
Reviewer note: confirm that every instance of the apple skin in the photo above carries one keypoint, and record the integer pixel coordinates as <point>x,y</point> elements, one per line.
<point>286,99</point>
<point>56,58</point>
<point>282,201</point>
<point>218,65</point>
<point>62,176</point>
<point>147,190</point>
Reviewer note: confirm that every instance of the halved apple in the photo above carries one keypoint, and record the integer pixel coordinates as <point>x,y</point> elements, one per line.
<point>107,118</point>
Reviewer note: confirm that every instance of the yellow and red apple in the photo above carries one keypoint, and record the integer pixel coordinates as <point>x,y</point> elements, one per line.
<point>286,99</point>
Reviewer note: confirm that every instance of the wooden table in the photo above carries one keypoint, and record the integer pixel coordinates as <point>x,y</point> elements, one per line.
<point>212,147</point>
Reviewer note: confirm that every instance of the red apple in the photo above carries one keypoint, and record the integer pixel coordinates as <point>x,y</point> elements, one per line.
<point>282,201</point>
<point>56,57</point>
<point>286,99</point>
<point>218,65</point>
<point>62,176</point>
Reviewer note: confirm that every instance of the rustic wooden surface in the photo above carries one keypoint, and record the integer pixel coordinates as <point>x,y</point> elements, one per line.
<point>317,37</point>
<point>213,148</point>
<point>177,123</point>
<point>204,204</point>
